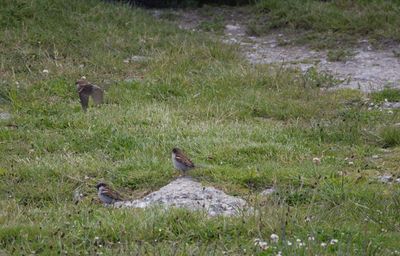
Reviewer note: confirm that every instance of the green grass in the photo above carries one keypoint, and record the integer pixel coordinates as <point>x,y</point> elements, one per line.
<point>329,24</point>
<point>390,136</point>
<point>214,25</point>
<point>339,55</point>
<point>387,94</point>
<point>251,126</point>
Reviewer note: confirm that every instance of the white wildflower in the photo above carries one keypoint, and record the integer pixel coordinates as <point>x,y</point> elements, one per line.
<point>274,238</point>
<point>316,160</point>
<point>311,238</point>
<point>262,244</point>
<point>289,243</point>
<point>46,71</point>
<point>323,245</point>
<point>334,241</point>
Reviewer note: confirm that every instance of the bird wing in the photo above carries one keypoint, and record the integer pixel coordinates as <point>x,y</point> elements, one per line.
<point>184,160</point>
<point>97,95</point>
<point>112,193</point>
<point>84,100</point>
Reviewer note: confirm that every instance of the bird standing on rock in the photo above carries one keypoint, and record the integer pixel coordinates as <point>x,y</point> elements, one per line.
<point>107,195</point>
<point>180,161</point>
<point>86,89</point>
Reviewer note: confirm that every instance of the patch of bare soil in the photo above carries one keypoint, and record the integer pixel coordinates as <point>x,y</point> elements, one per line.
<point>366,69</point>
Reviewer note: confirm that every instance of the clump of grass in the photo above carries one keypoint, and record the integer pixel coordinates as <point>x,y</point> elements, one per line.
<point>396,54</point>
<point>339,55</point>
<point>389,94</point>
<point>390,136</point>
<point>214,25</point>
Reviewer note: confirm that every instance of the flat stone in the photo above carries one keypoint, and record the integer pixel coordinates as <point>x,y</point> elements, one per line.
<point>268,191</point>
<point>189,194</point>
<point>233,27</point>
<point>136,58</point>
<point>5,116</point>
<point>391,105</point>
<point>385,178</point>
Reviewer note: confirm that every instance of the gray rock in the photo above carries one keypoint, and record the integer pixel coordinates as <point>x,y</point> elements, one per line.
<point>385,178</point>
<point>5,116</point>
<point>391,105</point>
<point>137,58</point>
<point>268,191</point>
<point>189,194</point>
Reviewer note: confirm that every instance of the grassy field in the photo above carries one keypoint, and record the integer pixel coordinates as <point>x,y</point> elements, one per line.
<point>327,24</point>
<point>254,127</point>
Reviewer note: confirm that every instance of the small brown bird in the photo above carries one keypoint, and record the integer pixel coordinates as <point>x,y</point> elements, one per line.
<point>181,162</point>
<point>86,89</point>
<point>107,195</point>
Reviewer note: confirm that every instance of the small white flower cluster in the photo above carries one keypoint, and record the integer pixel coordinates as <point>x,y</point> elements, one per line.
<point>332,242</point>
<point>261,244</point>
<point>316,160</point>
<point>274,238</point>
<point>299,243</point>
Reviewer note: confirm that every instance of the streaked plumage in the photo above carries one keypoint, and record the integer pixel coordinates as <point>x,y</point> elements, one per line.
<point>181,161</point>
<point>107,195</point>
<point>85,90</point>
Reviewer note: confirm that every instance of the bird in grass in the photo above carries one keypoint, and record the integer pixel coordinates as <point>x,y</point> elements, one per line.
<point>106,194</point>
<point>180,161</point>
<point>86,90</point>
